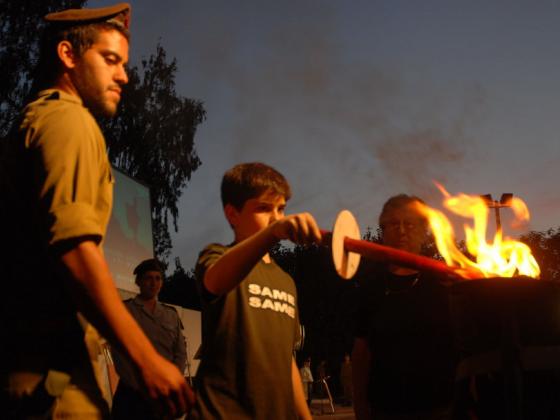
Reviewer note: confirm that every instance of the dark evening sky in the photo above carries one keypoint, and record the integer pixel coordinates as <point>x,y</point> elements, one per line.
<point>355,101</point>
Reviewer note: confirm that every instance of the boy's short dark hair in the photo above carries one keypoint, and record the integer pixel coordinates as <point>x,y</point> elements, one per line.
<point>250,180</point>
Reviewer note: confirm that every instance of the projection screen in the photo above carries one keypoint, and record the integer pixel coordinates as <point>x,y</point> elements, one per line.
<point>129,234</point>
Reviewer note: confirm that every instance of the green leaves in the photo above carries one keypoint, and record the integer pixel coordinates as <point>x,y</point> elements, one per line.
<point>152,139</point>
<point>545,247</point>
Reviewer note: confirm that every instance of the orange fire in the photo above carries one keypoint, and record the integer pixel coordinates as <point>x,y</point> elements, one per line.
<point>503,257</point>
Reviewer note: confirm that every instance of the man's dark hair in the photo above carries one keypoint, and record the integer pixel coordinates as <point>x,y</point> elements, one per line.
<point>80,36</point>
<point>250,180</point>
<point>398,201</point>
<point>147,265</point>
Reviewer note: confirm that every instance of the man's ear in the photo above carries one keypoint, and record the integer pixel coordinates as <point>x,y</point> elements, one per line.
<point>66,54</point>
<point>231,214</point>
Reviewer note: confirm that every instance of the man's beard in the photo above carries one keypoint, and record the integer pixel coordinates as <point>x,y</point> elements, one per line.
<point>95,100</point>
<point>98,107</point>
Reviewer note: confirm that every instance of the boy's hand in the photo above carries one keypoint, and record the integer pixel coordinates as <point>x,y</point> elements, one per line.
<point>299,228</point>
<point>167,388</point>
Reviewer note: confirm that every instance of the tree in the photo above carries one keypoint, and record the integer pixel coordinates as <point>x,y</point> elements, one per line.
<point>545,246</point>
<point>152,139</point>
<point>180,288</point>
<point>20,23</point>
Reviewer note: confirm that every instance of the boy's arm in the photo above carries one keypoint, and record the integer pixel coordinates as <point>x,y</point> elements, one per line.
<point>302,409</point>
<point>236,263</point>
<point>91,287</point>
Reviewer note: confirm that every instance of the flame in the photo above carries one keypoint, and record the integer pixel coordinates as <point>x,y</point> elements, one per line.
<point>502,257</point>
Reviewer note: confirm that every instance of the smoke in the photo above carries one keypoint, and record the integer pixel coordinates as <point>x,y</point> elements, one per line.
<point>287,83</point>
<point>415,160</point>
<point>293,94</point>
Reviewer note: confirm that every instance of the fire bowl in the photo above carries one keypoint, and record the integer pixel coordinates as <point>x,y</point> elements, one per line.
<point>501,321</point>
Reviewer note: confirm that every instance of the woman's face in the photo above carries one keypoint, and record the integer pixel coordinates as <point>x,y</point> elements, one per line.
<point>404,228</point>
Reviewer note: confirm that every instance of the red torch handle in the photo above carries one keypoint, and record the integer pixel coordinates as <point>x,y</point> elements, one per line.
<point>377,252</point>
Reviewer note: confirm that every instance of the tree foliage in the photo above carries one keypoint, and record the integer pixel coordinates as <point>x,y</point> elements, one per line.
<point>20,23</point>
<point>180,288</point>
<point>545,246</point>
<point>152,139</point>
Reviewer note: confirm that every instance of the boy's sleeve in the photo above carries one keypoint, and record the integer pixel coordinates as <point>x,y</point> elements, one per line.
<point>207,257</point>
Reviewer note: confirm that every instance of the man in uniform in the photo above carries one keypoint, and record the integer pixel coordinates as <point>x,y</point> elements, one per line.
<point>55,203</point>
<point>162,325</point>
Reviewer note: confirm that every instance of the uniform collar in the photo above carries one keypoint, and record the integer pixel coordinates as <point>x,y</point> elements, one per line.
<point>60,95</point>
<point>139,302</point>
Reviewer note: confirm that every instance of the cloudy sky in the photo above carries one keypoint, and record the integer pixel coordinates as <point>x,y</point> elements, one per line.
<point>355,101</point>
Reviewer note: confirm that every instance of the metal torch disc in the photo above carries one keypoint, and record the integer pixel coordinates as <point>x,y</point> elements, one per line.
<point>345,263</point>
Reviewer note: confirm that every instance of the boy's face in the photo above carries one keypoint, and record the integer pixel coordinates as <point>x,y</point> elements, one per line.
<point>255,215</point>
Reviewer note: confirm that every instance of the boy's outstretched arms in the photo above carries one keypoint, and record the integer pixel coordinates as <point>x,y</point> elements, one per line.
<point>231,268</point>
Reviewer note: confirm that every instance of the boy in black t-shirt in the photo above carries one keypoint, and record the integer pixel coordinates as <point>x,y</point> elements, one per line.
<point>249,305</point>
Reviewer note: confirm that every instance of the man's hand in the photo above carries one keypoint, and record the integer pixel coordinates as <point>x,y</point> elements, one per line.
<point>299,228</point>
<point>167,388</point>
<point>93,291</point>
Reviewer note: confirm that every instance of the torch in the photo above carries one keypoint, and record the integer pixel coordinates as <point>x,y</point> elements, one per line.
<point>347,249</point>
<point>509,326</point>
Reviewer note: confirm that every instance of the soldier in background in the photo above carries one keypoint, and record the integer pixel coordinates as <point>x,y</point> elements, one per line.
<point>162,326</point>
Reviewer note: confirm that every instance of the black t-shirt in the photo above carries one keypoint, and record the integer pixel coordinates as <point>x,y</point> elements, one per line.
<point>406,322</point>
<point>248,338</point>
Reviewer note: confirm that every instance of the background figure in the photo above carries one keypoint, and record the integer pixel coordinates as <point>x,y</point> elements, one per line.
<point>56,198</point>
<point>346,380</point>
<point>162,326</point>
<point>403,356</point>
<point>307,380</point>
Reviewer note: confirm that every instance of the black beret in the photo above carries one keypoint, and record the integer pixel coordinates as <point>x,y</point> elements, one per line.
<point>147,265</point>
<point>118,14</point>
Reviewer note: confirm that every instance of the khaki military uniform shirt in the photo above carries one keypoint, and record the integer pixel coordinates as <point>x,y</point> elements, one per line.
<point>164,329</point>
<point>58,187</point>
<point>76,190</point>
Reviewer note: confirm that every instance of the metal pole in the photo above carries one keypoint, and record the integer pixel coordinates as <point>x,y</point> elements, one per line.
<point>497,213</point>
